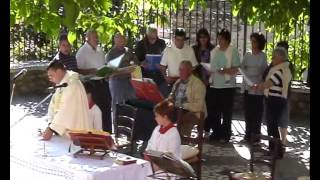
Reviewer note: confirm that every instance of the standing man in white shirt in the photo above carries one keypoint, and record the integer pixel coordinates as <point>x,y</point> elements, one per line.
<point>90,57</point>
<point>173,56</point>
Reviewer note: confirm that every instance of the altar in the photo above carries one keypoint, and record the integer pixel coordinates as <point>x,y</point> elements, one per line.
<point>37,160</point>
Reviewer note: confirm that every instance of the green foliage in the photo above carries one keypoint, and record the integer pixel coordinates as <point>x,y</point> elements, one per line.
<point>298,53</point>
<point>130,17</point>
<point>272,12</point>
<point>281,17</point>
<point>298,40</point>
<point>72,37</point>
<point>49,16</point>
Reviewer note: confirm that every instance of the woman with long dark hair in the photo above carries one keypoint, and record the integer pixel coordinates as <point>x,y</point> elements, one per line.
<point>202,51</point>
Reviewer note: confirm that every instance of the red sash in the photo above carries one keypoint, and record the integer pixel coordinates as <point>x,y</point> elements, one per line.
<point>91,104</point>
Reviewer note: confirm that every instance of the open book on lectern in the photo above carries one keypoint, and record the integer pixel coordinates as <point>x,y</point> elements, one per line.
<point>147,89</point>
<point>88,138</point>
<point>170,163</point>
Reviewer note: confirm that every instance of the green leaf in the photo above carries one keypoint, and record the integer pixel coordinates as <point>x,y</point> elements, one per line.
<point>100,29</point>
<point>95,25</point>
<point>254,9</point>
<point>71,10</point>
<point>105,4</point>
<point>12,19</point>
<point>204,4</point>
<point>54,5</point>
<point>235,11</point>
<point>192,4</point>
<point>120,29</point>
<point>72,36</point>
<point>84,3</point>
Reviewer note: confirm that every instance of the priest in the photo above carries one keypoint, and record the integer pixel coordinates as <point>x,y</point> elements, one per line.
<point>68,108</point>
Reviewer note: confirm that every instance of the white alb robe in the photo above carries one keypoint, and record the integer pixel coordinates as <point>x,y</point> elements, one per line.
<point>95,116</point>
<point>68,108</point>
<point>168,142</point>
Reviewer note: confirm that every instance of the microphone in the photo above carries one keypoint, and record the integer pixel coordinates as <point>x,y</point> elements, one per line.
<point>22,72</point>
<point>59,86</point>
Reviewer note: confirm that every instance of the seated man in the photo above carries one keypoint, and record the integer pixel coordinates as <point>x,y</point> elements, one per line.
<point>68,108</point>
<point>189,91</point>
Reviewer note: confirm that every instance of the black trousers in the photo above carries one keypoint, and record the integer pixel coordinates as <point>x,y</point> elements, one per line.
<point>222,105</point>
<point>209,103</point>
<point>101,96</point>
<point>145,121</point>
<point>274,109</point>
<point>253,110</point>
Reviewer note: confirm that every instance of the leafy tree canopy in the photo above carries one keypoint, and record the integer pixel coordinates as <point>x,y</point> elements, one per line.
<point>108,16</point>
<point>277,15</point>
<point>128,16</point>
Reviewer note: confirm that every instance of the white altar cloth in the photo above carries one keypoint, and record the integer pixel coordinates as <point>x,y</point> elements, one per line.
<point>28,160</point>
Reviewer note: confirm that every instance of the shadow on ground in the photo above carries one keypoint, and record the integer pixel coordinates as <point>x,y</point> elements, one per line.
<point>27,103</point>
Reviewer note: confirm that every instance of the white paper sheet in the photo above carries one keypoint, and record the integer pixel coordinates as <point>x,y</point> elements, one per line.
<point>206,66</point>
<point>115,62</point>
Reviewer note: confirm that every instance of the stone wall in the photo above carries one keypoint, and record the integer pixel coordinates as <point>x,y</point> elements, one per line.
<point>36,82</point>
<point>299,104</point>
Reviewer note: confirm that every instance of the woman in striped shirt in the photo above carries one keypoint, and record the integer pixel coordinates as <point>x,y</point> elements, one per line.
<point>275,89</point>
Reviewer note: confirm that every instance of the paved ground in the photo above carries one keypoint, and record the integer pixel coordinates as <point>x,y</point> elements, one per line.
<point>219,158</point>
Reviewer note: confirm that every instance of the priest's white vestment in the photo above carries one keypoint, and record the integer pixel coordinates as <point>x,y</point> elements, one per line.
<point>68,108</point>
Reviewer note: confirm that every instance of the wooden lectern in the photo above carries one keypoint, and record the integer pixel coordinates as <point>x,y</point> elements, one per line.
<point>93,143</point>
